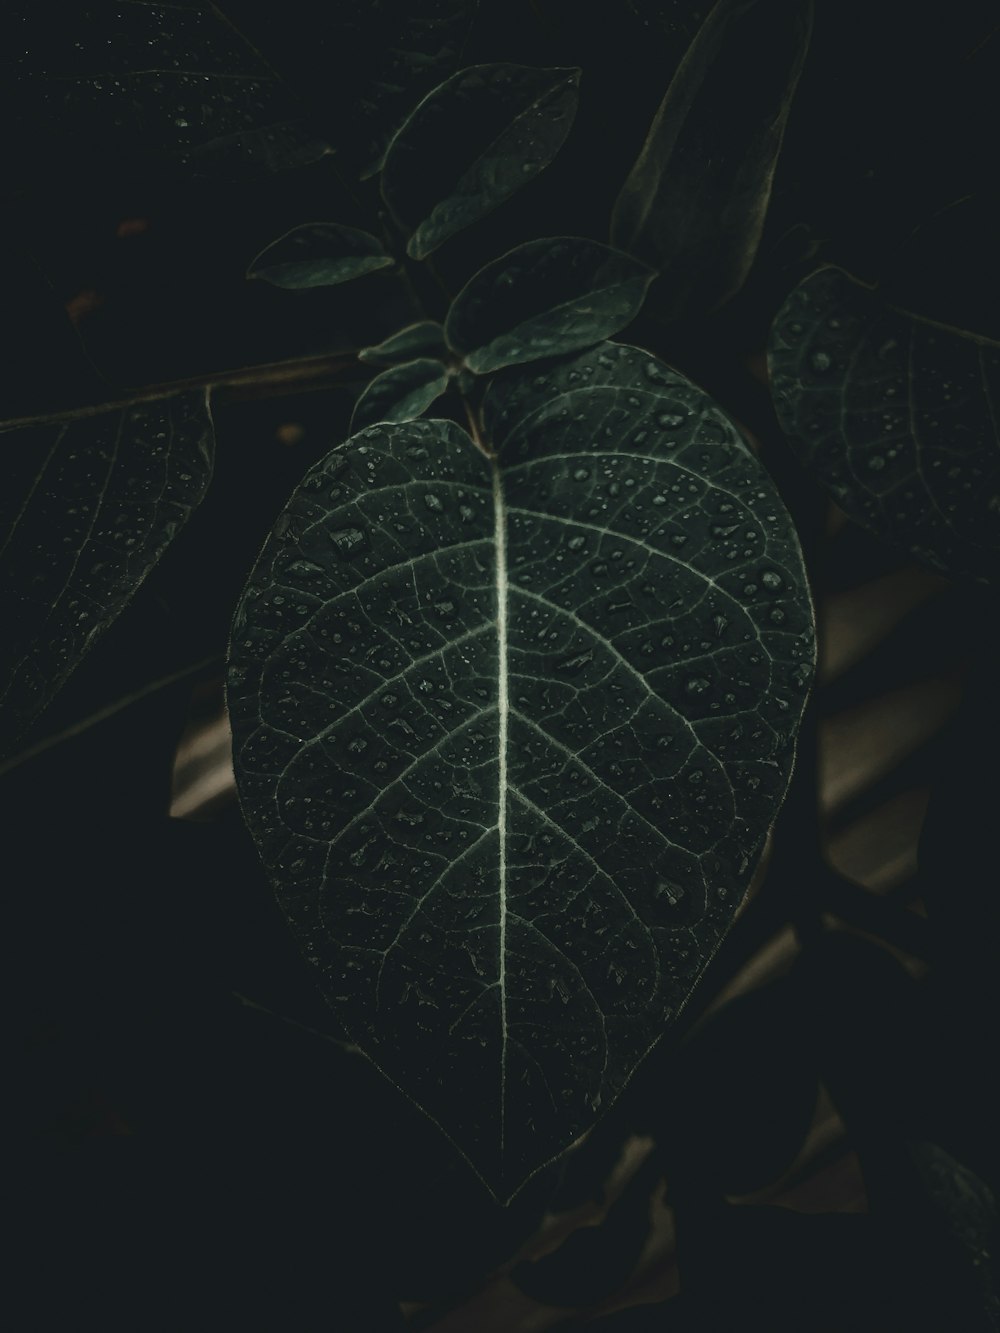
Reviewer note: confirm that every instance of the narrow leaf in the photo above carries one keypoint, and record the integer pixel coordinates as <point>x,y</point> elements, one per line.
<point>401,393</point>
<point>510,732</point>
<point>542,299</point>
<point>88,509</point>
<point>423,339</point>
<point>897,416</point>
<point>472,143</point>
<point>695,201</point>
<point>319,254</point>
<point>149,84</point>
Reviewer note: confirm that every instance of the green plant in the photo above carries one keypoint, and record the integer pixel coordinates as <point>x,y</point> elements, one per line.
<point>516,681</point>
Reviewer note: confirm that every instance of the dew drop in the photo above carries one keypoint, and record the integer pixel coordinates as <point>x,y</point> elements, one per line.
<point>347,539</point>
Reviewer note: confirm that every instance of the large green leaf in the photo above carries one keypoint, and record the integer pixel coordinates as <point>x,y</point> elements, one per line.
<point>400,393</point>
<point>472,143</point>
<point>695,201</point>
<point>319,254</point>
<point>510,731</point>
<point>897,416</point>
<point>151,84</point>
<point>542,299</point>
<point>88,508</point>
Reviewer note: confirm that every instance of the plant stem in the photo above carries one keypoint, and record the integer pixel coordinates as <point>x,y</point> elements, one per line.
<point>270,380</point>
<point>102,714</point>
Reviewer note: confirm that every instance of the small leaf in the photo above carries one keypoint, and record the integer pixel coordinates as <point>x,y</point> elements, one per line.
<point>746,1091</point>
<point>509,734</point>
<point>401,393</point>
<point>319,254</point>
<point>423,45</point>
<point>542,299</point>
<point>89,507</point>
<point>473,142</point>
<point>897,416</point>
<point>967,1210</point>
<point>423,339</point>
<point>146,84</point>
<point>593,1262</point>
<point>695,201</point>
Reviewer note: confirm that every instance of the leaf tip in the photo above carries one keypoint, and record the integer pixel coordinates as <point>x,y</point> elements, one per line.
<point>415,247</point>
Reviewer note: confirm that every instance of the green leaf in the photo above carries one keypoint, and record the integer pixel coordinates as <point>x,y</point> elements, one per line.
<point>423,339</point>
<point>319,254</point>
<point>421,44</point>
<point>542,299</point>
<point>967,1211</point>
<point>898,417</point>
<point>362,68</point>
<point>147,84</point>
<point>88,508</point>
<point>471,144</point>
<point>400,393</point>
<point>510,732</point>
<point>695,201</point>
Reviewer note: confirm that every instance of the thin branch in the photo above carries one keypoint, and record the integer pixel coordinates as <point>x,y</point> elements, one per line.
<point>890,921</point>
<point>102,714</point>
<point>347,1046</point>
<point>269,380</point>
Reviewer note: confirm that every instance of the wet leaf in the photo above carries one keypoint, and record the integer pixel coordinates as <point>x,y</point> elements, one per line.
<point>542,299</point>
<point>898,417</point>
<point>509,734</point>
<point>401,393</point>
<point>472,143</point>
<point>967,1209</point>
<point>89,507</point>
<point>147,84</point>
<point>425,338</point>
<point>319,254</point>
<point>695,201</point>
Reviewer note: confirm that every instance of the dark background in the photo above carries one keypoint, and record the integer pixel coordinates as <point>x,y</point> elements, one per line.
<point>193,1161</point>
